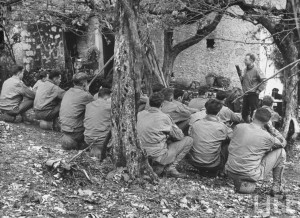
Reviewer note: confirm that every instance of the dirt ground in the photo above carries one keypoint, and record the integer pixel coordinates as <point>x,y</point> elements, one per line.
<point>28,188</point>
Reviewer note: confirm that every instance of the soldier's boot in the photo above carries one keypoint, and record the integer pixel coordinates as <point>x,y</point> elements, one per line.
<point>278,186</point>
<point>7,118</point>
<point>171,169</point>
<point>173,172</point>
<point>26,119</point>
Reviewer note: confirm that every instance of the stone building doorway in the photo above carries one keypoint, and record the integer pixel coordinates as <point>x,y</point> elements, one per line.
<point>108,50</point>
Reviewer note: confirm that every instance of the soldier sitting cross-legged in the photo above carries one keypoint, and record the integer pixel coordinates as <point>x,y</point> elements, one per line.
<point>72,111</point>
<point>254,153</point>
<point>47,99</point>
<point>163,141</point>
<point>16,98</point>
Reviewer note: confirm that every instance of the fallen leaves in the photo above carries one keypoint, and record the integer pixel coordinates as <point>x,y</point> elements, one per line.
<point>61,189</point>
<point>86,192</point>
<point>60,210</point>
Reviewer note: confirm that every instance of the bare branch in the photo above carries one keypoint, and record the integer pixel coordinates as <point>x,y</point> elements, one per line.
<point>200,34</point>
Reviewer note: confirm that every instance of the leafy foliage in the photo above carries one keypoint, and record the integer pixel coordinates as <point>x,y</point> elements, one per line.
<point>277,58</point>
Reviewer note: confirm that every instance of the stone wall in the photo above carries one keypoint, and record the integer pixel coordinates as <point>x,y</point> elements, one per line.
<point>41,46</point>
<point>197,61</point>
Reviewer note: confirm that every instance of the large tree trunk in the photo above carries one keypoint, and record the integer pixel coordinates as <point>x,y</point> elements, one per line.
<point>128,65</point>
<point>290,53</point>
<point>290,104</point>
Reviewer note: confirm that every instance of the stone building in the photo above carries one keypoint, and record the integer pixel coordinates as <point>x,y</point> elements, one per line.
<point>219,52</point>
<point>37,44</point>
<point>48,46</point>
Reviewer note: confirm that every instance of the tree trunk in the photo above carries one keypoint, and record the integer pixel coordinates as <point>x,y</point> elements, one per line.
<point>169,57</point>
<point>128,65</point>
<point>290,104</point>
<point>285,42</point>
<point>290,94</point>
<point>153,62</point>
<point>291,76</point>
<point>169,60</point>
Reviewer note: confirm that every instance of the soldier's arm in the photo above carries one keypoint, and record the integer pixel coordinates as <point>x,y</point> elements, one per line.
<point>26,92</point>
<point>175,132</point>
<point>261,77</point>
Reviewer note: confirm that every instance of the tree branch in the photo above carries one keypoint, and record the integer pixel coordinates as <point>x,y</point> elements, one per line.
<point>250,7</point>
<point>7,3</point>
<point>200,34</point>
<point>168,40</point>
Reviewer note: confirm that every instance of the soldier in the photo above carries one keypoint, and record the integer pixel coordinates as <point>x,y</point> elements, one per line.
<point>97,121</point>
<point>254,153</point>
<point>72,111</point>
<point>48,97</point>
<point>199,102</point>
<point>163,141</point>
<point>225,113</point>
<point>16,98</point>
<point>179,112</point>
<point>251,78</point>
<point>210,135</point>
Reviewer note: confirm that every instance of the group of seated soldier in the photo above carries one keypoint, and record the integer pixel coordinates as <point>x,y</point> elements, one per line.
<point>247,152</point>
<point>82,119</point>
<point>169,130</point>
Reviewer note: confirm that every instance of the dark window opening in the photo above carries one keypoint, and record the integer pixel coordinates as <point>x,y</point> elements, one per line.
<point>210,43</point>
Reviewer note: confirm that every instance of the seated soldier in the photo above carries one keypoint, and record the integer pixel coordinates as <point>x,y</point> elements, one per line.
<point>155,88</point>
<point>267,103</point>
<point>16,98</point>
<point>254,153</point>
<point>43,75</point>
<point>163,141</point>
<point>178,112</point>
<point>199,103</point>
<point>225,113</point>
<point>197,116</point>
<point>72,111</point>
<point>97,121</point>
<point>275,117</point>
<point>178,97</point>
<point>95,96</point>
<point>48,97</point>
<point>275,94</point>
<point>210,148</point>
